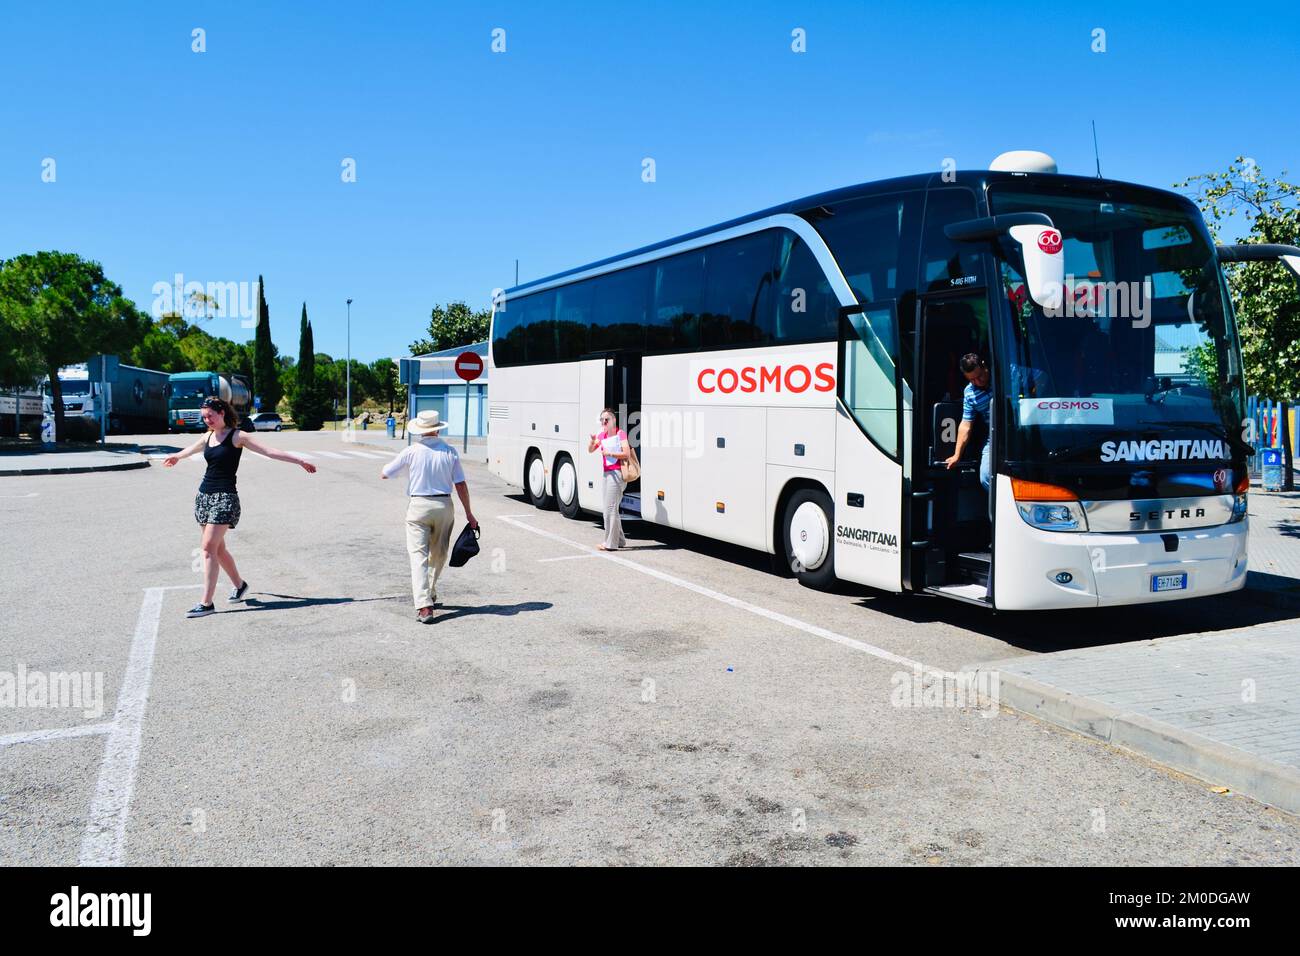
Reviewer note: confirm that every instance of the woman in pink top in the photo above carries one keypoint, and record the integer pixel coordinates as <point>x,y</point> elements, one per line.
<point>611,442</point>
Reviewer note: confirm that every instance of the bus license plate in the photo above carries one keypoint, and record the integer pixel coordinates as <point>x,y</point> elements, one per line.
<point>1169,582</point>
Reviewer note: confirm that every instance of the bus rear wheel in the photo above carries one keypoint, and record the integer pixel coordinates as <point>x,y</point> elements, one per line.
<point>535,481</point>
<point>808,542</point>
<point>566,487</point>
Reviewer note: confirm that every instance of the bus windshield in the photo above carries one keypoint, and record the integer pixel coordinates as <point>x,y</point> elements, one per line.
<point>1139,362</point>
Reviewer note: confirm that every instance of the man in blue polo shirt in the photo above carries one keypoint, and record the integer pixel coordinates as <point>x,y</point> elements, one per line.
<point>975,401</point>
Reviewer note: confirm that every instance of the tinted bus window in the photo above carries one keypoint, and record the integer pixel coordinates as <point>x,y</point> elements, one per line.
<point>806,308</point>
<point>679,291</point>
<point>539,322</point>
<point>572,319</point>
<point>738,292</point>
<point>508,334</point>
<point>619,315</point>
<point>944,263</point>
<point>865,238</point>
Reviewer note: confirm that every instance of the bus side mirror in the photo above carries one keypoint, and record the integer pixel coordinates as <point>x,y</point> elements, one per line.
<point>1044,249</point>
<point>1262,252</point>
<point>1044,264</point>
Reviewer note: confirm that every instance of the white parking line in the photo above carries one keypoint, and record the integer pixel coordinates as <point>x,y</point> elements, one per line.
<point>56,733</point>
<point>30,494</point>
<point>567,557</point>
<point>333,454</point>
<point>776,616</point>
<point>364,454</point>
<point>105,836</point>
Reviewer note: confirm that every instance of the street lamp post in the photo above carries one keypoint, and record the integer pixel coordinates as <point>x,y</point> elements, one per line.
<point>349,363</point>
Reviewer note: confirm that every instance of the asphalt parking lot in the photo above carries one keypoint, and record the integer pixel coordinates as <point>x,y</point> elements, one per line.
<point>675,702</point>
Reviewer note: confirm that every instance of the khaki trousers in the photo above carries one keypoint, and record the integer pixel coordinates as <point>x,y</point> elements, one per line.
<point>428,533</point>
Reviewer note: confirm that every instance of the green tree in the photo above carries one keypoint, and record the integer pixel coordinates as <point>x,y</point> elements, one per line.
<point>20,364</point>
<point>305,400</point>
<point>387,387</point>
<point>1264,293</point>
<point>160,349</point>
<point>266,380</point>
<point>451,326</point>
<point>63,309</point>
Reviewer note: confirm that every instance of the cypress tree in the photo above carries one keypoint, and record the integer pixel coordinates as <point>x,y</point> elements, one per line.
<point>266,376</point>
<point>306,402</point>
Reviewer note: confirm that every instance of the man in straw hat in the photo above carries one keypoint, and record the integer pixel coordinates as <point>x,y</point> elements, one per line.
<point>433,469</point>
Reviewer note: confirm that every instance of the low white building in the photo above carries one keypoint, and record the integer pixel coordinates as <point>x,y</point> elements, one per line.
<point>441,388</point>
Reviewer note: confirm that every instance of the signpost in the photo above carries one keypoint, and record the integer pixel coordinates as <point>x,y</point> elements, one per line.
<point>104,368</point>
<point>469,366</point>
<point>408,374</point>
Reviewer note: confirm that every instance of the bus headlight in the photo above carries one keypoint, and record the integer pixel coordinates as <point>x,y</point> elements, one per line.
<point>1048,507</point>
<point>1053,516</point>
<point>1239,499</point>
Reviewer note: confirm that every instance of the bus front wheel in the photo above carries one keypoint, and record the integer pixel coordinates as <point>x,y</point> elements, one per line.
<point>808,542</point>
<point>535,481</point>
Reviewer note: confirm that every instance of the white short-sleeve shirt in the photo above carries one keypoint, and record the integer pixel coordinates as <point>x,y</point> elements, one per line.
<point>433,467</point>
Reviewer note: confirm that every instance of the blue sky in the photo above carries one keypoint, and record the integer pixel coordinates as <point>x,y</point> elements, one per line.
<point>225,164</point>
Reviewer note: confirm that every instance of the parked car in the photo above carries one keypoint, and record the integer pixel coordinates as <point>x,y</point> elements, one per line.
<point>267,422</point>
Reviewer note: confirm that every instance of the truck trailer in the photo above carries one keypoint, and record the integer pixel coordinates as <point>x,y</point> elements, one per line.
<point>136,402</point>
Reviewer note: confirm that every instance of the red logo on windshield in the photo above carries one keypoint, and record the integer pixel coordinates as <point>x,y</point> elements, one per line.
<point>1049,240</point>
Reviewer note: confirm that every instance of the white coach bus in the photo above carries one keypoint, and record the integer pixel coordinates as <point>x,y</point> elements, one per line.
<point>791,381</point>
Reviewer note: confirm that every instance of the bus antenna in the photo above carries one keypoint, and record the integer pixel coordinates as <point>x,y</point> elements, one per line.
<point>1096,155</point>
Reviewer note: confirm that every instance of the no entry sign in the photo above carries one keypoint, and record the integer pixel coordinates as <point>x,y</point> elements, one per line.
<point>469,365</point>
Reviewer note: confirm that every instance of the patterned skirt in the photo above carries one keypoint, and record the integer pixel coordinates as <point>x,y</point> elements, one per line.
<point>217,507</point>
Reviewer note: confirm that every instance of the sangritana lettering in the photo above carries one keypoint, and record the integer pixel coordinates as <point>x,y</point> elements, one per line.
<point>767,378</point>
<point>1176,449</point>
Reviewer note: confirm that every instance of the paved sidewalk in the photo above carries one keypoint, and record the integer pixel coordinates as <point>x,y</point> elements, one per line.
<point>1274,575</point>
<point>1224,707</point>
<point>66,461</point>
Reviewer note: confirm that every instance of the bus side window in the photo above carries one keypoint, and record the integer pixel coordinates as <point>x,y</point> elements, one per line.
<point>539,321</point>
<point>618,319</point>
<point>507,334</point>
<point>573,319</point>
<point>679,292</point>
<point>946,264</point>
<point>806,309</point>
<point>737,292</point>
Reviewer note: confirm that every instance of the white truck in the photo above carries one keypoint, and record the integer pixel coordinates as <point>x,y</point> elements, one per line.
<point>137,401</point>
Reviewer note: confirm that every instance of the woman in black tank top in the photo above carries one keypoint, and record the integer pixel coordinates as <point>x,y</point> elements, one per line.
<point>216,506</point>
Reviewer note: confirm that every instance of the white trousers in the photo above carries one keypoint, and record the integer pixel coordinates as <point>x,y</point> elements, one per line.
<point>614,485</point>
<point>428,534</point>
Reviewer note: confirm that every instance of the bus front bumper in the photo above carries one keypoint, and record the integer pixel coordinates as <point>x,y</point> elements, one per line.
<point>1040,570</point>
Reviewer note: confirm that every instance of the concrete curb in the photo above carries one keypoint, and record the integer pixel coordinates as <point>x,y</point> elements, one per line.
<point>73,470</point>
<point>1173,747</point>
